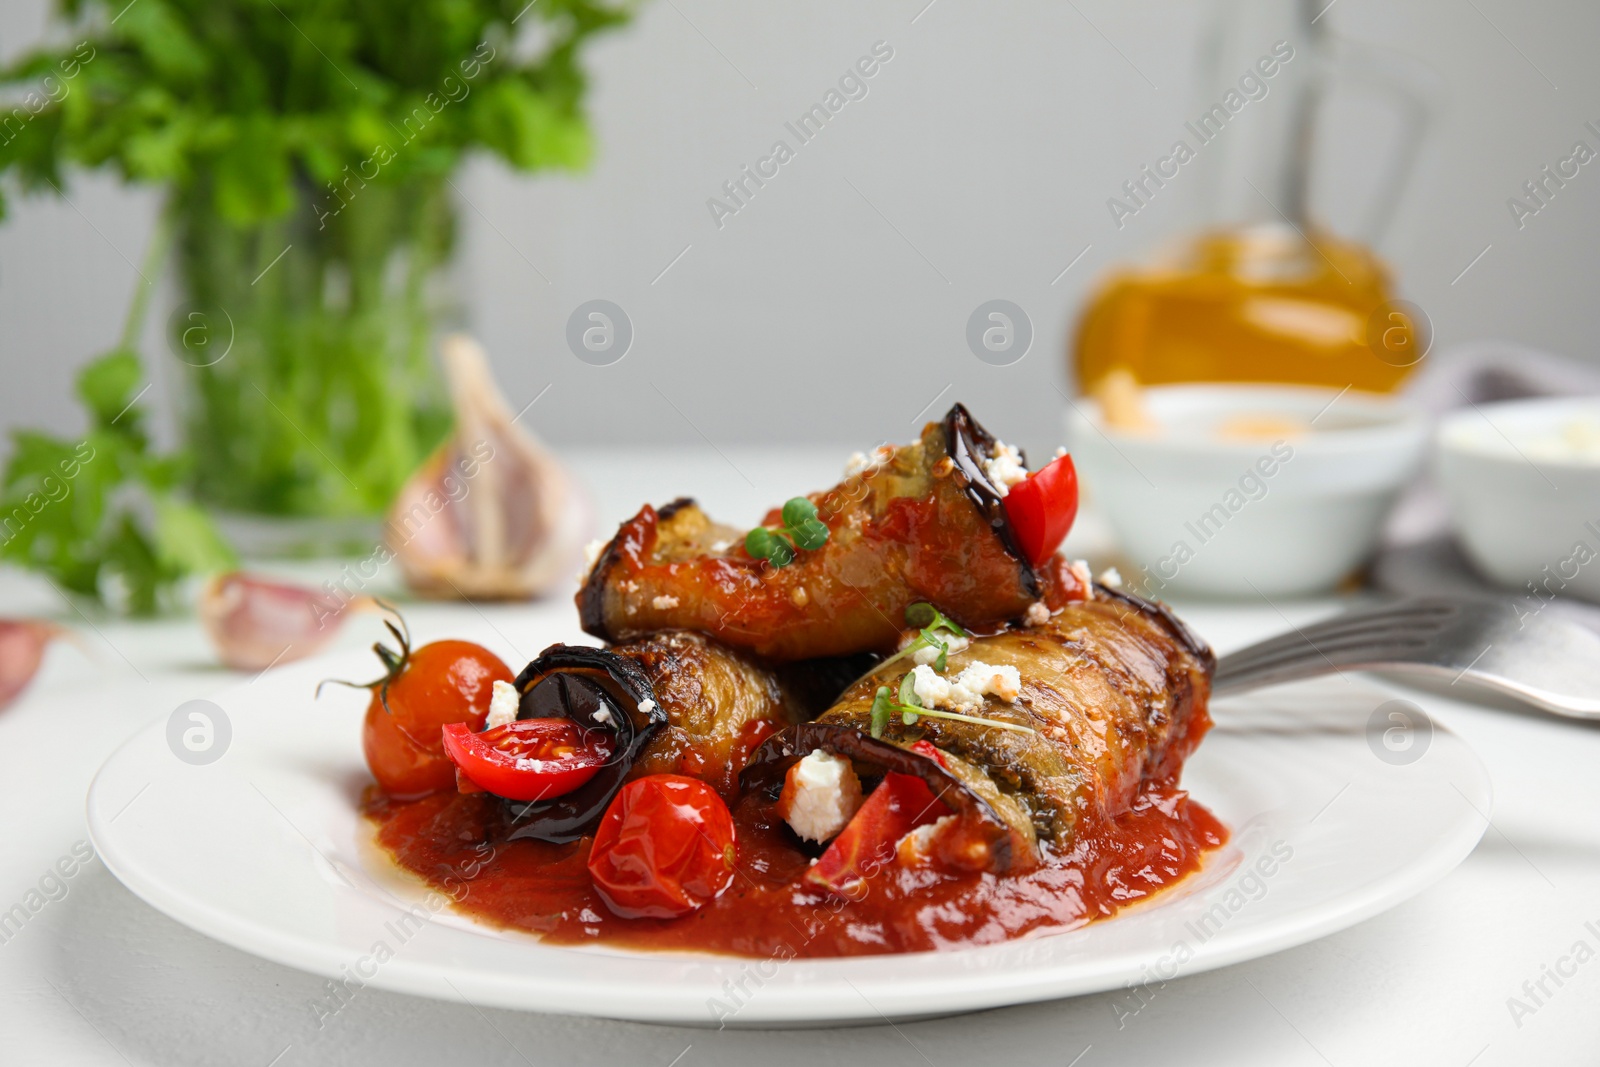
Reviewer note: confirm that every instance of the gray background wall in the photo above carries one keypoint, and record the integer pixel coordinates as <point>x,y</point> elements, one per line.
<point>833,307</point>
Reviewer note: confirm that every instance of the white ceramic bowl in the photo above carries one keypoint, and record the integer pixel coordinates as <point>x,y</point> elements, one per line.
<point>1524,508</point>
<point>1204,515</point>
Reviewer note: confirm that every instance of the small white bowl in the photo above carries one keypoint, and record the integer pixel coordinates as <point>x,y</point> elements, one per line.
<point>1200,514</point>
<point>1525,508</point>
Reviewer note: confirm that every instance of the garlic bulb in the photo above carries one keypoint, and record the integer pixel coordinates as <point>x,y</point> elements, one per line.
<point>254,623</point>
<point>22,645</point>
<point>491,514</point>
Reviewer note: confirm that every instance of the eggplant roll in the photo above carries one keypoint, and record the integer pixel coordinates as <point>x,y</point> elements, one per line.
<point>921,522</point>
<point>1113,688</point>
<point>679,702</point>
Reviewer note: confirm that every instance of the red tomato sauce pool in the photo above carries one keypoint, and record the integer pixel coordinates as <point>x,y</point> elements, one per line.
<point>451,841</point>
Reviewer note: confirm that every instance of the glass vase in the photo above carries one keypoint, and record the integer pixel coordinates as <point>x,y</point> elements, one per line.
<point>310,390</point>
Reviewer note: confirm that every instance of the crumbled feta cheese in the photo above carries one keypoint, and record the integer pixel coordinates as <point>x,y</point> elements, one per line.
<point>861,463</point>
<point>980,678</point>
<point>966,691</point>
<point>604,715</point>
<point>664,603</point>
<point>820,794</point>
<point>720,547</point>
<point>1111,577</point>
<point>502,705</point>
<point>1060,451</point>
<point>915,849</point>
<point>1004,467</point>
<point>1038,614</point>
<point>1080,571</point>
<point>953,643</point>
<point>646,706</point>
<point>931,689</point>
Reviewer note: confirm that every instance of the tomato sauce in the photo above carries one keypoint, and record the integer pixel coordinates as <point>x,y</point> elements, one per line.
<point>451,841</point>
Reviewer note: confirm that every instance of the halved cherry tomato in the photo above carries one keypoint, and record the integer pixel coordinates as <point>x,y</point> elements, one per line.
<point>1042,509</point>
<point>664,848</point>
<point>530,759</point>
<point>900,804</point>
<point>426,688</point>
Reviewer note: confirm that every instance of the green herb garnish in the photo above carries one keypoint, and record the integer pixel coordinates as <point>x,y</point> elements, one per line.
<point>909,708</point>
<point>934,626</point>
<point>102,516</point>
<point>801,529</point>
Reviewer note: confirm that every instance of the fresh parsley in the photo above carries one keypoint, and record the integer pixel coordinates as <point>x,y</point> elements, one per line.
<point>100,516</point>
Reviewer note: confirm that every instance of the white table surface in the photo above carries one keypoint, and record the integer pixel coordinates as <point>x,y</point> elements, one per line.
<point>98,977</point>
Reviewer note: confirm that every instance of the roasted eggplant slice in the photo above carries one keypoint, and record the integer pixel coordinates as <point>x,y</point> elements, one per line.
<point>596,689</point>
<point>679,702</point>
<point>1113,690</point>
<point>921,522</point>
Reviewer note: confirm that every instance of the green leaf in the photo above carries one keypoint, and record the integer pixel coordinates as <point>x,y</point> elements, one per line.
<point>529,130</point>
<point>811,534</point>
<point>908,692</point>
<point>798,510</point>
<point>763,543</point>
<point>930,620</point>
<point>163,40</point>
<point>186,541</point>
<point>78,511</point>
<point>107,385</point>
<point>252,173</point>
<point>882,709</point>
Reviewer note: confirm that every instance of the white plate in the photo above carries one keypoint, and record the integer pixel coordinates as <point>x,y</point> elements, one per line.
<point>264,850</point>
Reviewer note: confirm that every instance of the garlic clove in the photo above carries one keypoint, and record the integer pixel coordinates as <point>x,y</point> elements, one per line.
<point>22,645</point>
<point>254,623</point>
<point>491,514</point>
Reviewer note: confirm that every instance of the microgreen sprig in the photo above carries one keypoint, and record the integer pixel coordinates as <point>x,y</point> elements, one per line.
<point>934,628</point>
<point>801,529</point>
<point>909,707</point>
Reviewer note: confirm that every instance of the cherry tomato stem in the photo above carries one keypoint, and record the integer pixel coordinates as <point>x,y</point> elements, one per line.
<point>435,685</point>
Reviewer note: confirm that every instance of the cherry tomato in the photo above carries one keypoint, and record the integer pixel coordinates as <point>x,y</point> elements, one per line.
<point>427,688</point>
<point>900,804</point>
<point>531,759</point>
<point>664,848</point>
<point>1042,508</point>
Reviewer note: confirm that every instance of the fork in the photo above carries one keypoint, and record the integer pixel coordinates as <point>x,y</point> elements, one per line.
<point>1541,659</point>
